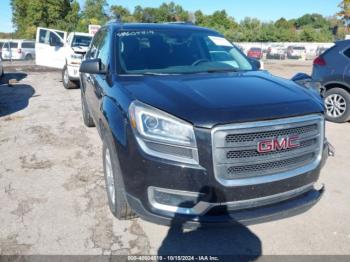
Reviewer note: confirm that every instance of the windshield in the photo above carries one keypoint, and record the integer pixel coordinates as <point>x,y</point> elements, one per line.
<point>80,40</point>
<point>177,52</point>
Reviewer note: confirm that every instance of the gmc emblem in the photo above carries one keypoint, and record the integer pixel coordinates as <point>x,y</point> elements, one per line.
<point>278,143</point>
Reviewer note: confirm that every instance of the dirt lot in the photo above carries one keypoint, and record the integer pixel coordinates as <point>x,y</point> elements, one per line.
<point>52,197</point>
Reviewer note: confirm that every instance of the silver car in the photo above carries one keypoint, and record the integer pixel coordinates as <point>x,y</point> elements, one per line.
<point>332,69</point>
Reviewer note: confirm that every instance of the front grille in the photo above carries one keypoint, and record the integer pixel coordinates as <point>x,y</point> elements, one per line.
<point>237,161</point>
<point>254,153</point>
<point>252,136</point>
<point>263,168</point>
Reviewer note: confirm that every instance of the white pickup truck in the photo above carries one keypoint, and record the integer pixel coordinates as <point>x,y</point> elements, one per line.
<point>54,49</point>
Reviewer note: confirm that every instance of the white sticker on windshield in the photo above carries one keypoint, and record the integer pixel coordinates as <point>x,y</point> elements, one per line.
<point>220,41</point>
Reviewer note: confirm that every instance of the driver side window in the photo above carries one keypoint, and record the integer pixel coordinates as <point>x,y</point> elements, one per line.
<point>47,37</point>
<point>95,44</point>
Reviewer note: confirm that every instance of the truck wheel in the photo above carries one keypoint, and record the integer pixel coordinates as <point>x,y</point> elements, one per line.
<point>88,121</point>
<point>67,83</point>
<point>337,102</point>
<point>28,57</point>
<point>114,182</point>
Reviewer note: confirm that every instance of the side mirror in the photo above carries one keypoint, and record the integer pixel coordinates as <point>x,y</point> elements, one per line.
<point>91,66</point>
<point>256,63</point>
<point>301,77</point>
<point>307,82</point>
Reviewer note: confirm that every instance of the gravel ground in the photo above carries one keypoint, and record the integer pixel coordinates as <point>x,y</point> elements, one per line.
<point>53,201</point>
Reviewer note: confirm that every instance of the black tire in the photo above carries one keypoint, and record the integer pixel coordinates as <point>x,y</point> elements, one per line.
<point>119,207</point>
<point>29,57</point>
<point>88,120</point>
<point>332,109</point>
<point>67,83</point>
<point>2,73</point>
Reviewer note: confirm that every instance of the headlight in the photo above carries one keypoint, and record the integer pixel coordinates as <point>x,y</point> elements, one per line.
<point>163,135</point>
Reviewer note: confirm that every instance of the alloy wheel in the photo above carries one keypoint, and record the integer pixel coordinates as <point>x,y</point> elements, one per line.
<point>335,105</point>
<point>109,177</point>
<point>65,76</point>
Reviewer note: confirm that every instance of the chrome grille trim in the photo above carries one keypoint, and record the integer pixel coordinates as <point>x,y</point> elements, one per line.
<point>243,143</point>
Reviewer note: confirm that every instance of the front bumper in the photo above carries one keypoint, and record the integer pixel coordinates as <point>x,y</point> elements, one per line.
<point>73,71</point>
<point>284,209</point>
<point>256,203</point>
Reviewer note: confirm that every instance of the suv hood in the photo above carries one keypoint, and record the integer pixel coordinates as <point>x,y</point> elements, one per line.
<point>207,100</point>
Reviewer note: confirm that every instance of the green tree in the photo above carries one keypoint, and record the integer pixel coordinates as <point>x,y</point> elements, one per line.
<point>27,15</point>
<point>313,20</point>
<point>166,12</point>
<point>283,23</point>
<point>71,21</point>
<point>122,13</point>
<point>219,21</point>
<point>308,34</point>
<point>344,13</point>
<point>94,12</point>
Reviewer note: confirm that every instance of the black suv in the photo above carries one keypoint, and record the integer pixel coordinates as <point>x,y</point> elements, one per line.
<point>193,131</point>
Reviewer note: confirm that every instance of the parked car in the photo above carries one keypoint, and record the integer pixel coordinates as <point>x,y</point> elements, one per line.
<point>187,137</point>
<point>56,50</point>
<point>18,50</point>
<point>276,52</point>
<point>296,52</point>
<point>255,52</point>
<point>332,69</point>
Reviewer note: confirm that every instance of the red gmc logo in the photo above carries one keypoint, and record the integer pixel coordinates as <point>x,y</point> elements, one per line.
<point>278,143</point>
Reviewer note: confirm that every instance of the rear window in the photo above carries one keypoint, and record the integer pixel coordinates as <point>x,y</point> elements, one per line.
<point>13,45</point>
<point>255,49</point>
<point>28,45</point>
<point>299,48</point>
<point>328,50</point>
<point>347,52</point>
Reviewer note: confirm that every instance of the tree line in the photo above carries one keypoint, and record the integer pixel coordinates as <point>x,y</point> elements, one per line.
<point>68,15</point>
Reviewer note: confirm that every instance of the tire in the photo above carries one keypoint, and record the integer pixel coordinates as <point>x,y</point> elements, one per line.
<point>28,57</point>
<point>337,103</point>
<point>2,73</point>
<point>67,83</point>
<point>88,120</point>
<point>114,181</point>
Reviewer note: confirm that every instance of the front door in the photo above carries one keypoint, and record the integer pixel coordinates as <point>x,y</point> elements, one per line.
<point>50,48</point>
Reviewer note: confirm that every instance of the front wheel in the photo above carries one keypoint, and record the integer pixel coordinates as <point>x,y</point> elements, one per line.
<point>87,118</point>
<point>114,182</point>
<point>337,102</point>
<point>28,57</point>
<point>67,83</point>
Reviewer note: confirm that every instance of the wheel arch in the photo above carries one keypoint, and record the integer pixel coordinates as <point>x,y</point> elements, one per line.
<point>113,122</point>
<point>332,85</point>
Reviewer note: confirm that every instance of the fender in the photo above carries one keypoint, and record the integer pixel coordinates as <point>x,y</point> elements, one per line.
<point>113,121</point>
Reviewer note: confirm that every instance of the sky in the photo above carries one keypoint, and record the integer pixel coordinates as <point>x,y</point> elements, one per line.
<point>265,10</point>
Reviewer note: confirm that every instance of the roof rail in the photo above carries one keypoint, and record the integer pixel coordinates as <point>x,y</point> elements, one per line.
<point>114,20</point>
<point>180,23</point>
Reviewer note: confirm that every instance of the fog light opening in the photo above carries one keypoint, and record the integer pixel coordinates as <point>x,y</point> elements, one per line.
<point>176,201</point>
